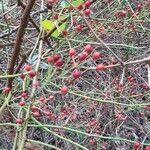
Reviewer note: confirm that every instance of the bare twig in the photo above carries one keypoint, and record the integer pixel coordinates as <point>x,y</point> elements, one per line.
<point>148,68</point>
<point>19,38</point>
<point>122,76</point>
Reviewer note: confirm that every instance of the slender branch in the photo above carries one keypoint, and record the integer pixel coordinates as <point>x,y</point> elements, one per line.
<point>122,76</point>
<point>31,97</point>
<point>105,101</point>
<point>44,144</point>
<point>144,60</point>
<point>76,131</point>
<point>61,137</point>
<point>7,99</point>
<point>24,132</point>
<point>148,68</point>
<point>19,39</point>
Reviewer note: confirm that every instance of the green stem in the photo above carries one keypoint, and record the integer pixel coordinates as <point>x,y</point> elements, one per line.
<point>15,141</point>
<point>5,103</point>
<point>61,137</point>
<point>12,76</point>
<point>22,144</point>
<point>76,131</point>
<point>106,101</point>
<point>44,144</point>
<point>108,44</point>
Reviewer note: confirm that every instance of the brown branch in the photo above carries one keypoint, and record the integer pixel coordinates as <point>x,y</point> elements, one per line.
<point>20,3</point>
<point>22,61</point>
<point>19,39</point>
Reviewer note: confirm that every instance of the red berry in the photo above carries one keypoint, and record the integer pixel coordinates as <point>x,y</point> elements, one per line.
<point>87,4</point>
<point>80,7</point>
<point>22,76</point>
<point>51,97</point>
<point>59,63</point>
<point>28,67</point>
<point>19,121</point>
<point>144,86</point>
<point>50,1</point>
<point>147,147</point>
<point>64,90</point>
<point>50,59</point>
<point>123,13</point>
<point>36,114</point>
<point>48,113</point>
<point>92,141</point>
<point>129,77</point>
<point>22,103</point>
<point>34,108</point>
<point>75,22</point>
<point>6,90</point>
<point>24,94</point>
<point>42,99</point>
<point>93,122</point>
<point>137,145</point>
<point>32,74</point>
<point>87,12</point>
<point>120,85</point>
<point>139,7</point>
<point>65,33</point>
<point>72,52</point>
<point>100,67</point>
<point>82,56</point>
<point>87,129</point>
<point>37,84</point>
<point>76,74</point>
<point>49,6</point>
<point>55,17</point>
<point>96,55</point>
<point>56,57</point>
<point>133,93</point>
<point>88,48</point>
<point>78,28</point>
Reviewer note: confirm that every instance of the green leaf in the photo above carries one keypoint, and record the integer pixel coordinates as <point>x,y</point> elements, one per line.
<point>59,30</point>
<point>76,3</point>
<point>49,25</point>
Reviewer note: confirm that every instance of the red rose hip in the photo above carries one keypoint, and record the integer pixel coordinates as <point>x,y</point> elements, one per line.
<point>96,55</point>
<point>72,52</point>
<point>76,74</point>
<point>88,48</point>
<point>64,90</point>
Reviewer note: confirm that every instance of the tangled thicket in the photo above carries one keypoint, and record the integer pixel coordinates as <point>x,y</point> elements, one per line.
<point>74,74</point>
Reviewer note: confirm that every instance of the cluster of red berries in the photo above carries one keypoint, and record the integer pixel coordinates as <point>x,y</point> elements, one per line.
<point>55,59</point>
<point>128,10</point>
<point>30,71</point>
<point>119,88</point>
<point>137,146</point>
<point>85,7</point>
<point>121,14</point>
